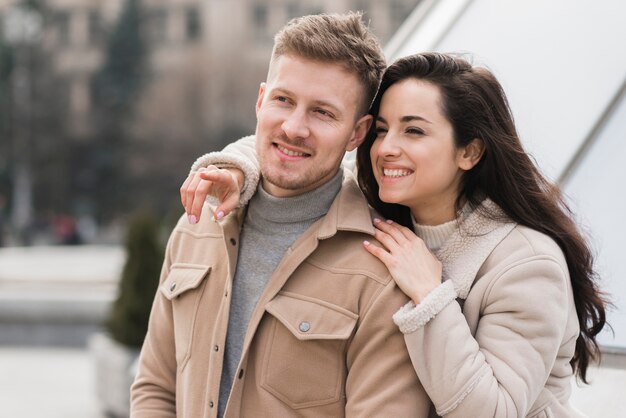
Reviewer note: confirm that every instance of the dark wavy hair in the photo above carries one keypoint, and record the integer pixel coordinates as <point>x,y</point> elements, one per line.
<point>475,104</point>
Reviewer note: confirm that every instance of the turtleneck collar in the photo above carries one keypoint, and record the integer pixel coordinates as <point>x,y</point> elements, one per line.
<point>310,206</point>
<point>435,236</point>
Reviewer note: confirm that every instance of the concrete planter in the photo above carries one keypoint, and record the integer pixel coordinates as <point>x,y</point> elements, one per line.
<point>115,367</point>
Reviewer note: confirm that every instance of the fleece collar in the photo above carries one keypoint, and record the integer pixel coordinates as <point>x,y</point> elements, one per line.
<point>465,251</point>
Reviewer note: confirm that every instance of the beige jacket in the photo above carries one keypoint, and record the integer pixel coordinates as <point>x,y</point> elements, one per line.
<point>321,341</point>
<point>504,349</point>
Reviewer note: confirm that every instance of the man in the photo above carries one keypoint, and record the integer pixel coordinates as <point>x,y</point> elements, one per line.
<point>277,311</point>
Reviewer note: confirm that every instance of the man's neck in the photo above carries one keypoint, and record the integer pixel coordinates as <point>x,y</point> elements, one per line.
<point>310,205</point>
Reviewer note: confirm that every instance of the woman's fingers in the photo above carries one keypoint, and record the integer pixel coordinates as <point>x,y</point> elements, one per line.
<point>225,187</point>
<point>393,229</point>
<point>378,252</point>
<point>183,190</point>
<point>190,201</point>
<point>202,191</point>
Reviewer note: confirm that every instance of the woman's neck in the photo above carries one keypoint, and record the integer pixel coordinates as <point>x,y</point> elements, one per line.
<point>433,214</point>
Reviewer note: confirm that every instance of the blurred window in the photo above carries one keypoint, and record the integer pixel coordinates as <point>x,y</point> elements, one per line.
<point>192,23</point>
<point>96,28</point>
<point>260,22</point>
<point>63,27</point>
<point>157,26</point>
<point>260,15</point>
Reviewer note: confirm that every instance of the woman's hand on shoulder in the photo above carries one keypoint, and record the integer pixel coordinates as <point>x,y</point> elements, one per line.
<point>414,268</point>
<point>222,183</point>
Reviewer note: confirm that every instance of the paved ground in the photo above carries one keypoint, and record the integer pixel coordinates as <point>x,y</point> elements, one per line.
<point>47,383</point>
<point>59,383</point>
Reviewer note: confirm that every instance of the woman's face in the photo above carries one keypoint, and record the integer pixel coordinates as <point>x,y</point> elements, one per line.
<point>414,158</point>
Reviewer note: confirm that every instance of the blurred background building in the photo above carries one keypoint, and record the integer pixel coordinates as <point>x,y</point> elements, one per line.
<point>106,103</point>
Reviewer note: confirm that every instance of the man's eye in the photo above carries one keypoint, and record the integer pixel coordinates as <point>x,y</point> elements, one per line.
<point>325,113</point>
<point>281,99</point>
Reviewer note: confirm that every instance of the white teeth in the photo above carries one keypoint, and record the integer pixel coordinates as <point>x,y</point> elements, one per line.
<point>289,152</point>
<point>395,173</point>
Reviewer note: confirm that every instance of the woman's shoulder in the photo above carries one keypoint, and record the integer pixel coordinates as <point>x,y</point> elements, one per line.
<point>525,243</point>
<point>526,251</point>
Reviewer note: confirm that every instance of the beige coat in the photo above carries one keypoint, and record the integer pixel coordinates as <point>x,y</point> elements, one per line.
<point>504,349</point>
<point>321,341</point>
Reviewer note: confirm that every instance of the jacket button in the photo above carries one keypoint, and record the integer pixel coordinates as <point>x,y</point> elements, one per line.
<point>172,287</point>
<point>211,404</point>
<point>240,373</point>
<point>305,326</point>
<point>233,241</point>
<point>216,348</point>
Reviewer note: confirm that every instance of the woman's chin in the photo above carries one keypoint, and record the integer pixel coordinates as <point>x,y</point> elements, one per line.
<point>390,197</point>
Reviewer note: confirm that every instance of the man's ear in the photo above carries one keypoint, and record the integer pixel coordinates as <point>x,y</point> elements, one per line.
<point>361,128</point>
<point>471,154</point>
<point>259,100</point>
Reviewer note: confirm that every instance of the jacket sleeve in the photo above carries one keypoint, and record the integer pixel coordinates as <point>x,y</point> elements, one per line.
<point>240,154</point>
<point>153,393</point>
<point>381,381</point>
<point>501,370</point>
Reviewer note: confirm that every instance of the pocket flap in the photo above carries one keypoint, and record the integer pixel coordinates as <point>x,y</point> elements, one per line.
<point>312,319</point>
<point>183,277</point>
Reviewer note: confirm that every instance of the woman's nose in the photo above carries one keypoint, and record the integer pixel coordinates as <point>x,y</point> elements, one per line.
<point>388,146</point>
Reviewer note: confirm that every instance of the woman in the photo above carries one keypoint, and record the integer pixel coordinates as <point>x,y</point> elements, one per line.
<point>504,305</point>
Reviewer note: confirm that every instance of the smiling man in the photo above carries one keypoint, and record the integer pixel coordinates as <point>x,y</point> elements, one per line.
<point>275,311</point>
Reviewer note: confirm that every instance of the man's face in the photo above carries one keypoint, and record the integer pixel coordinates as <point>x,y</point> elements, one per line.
<point>307,118</point>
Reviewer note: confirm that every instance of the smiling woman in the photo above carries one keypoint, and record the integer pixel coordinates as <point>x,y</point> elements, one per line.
<point>416,160</point>
<point>445,161</point>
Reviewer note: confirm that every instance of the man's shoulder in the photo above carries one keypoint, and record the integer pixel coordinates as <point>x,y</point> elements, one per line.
<point>344,253</point>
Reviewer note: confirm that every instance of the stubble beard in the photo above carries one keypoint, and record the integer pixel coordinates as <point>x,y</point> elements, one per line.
<point>290,179</point>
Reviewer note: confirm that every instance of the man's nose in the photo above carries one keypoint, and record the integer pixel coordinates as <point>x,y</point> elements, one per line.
<point>296,125</point>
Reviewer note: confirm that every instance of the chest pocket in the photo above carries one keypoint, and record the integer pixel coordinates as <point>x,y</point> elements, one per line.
<point>304,361</point>
<point>183,287</point>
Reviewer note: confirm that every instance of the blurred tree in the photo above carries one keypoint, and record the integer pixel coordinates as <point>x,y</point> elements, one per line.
<point>128,322</point>
<point>117,87</point>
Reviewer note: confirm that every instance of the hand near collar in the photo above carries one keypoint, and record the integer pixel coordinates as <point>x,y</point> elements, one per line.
<point>222,183</point>
<point>414,268</point>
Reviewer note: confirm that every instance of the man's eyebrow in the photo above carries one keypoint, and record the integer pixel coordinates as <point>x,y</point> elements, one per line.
<point>322,103</point>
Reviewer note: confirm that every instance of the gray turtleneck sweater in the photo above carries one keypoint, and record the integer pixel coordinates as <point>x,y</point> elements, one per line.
<point>270,227</point>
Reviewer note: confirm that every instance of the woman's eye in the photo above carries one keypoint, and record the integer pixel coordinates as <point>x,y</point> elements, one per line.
<point>281,99</point>
<point>380,131</point>
<point>414,131</point>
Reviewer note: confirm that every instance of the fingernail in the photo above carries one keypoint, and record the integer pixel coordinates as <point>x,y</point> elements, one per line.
<point>376,220</point>
<point>192,219</point>
<point>366,243</point>
<point>389,221</point>
<point>220,215</point>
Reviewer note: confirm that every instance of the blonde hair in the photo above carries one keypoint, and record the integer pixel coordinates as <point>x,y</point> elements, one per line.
<point>335,38</point>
